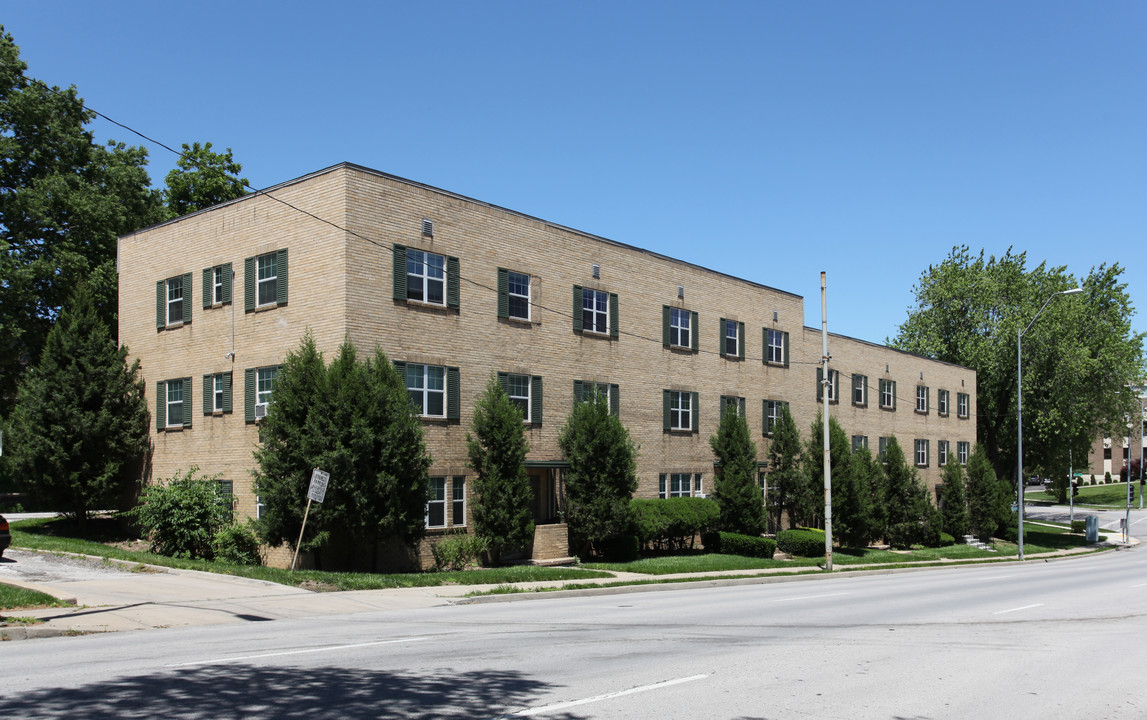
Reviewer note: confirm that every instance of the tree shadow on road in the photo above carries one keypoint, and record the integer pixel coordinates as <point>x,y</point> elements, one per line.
<point>248,692</point>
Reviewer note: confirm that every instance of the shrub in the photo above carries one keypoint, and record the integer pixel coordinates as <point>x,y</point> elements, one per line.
<point>673,523</point>
<point>458,550</point>
<point>619,548</point>
<point>236,544</point>
<point>182,515</point>
<point>904,534</point>
<point>1078,526</point>
<point>1012,535</point>
<point>1107,478</point>
<point>946,540</point>
<point>802,542</point>
<point>736,544</point>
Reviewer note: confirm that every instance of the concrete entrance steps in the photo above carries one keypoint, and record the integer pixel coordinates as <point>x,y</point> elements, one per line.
<point>971,540</point>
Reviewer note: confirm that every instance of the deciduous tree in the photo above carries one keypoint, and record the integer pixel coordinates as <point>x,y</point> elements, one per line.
<point>202,178</point>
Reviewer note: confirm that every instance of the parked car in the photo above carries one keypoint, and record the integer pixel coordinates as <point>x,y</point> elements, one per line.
<point>5,535</point>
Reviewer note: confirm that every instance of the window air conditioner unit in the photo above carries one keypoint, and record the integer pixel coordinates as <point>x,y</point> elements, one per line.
<point>260,411</point>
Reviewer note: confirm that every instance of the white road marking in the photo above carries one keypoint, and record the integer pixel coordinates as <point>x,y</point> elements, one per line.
<point>294,652</point>
<point>608,696</point>
<point>808,597</point>
<point>1025,607</point>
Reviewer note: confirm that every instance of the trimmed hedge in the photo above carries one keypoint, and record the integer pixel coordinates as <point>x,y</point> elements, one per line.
<point>619,548</point>
<point>737,544</point>
<point>802,542</point>
<point>673,523</point>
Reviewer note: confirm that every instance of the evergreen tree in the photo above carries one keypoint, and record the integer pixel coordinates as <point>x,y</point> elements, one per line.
<point>787,492</point>
<point>850,508</point>
<point>497,450</point>
<point>988,499</point>
<point>869,478</point>
<point>602,476</point>
<point>80,426</point>
<point>954,501</point>
<point>904,497</point>
<point>736,491</point>
<point>202,178</point>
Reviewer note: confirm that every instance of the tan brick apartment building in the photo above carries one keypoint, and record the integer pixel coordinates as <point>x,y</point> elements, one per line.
<point>454,290</point>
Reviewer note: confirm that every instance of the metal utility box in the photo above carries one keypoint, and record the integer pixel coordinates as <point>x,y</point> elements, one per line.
<point>1092,529</point>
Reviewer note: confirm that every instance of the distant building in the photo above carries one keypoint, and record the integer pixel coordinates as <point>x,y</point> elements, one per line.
<point>455,290</point>
<point>1109,455</point>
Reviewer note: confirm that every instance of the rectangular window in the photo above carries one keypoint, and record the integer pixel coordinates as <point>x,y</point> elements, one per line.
<point>217,390</point>
<point>772,411</point>
<point>831,386</point>
<point>732,404</point>
<point>942,452</point>
<point>1107,452</point>
<point>942,402</point>
<point>175,301</point>
<point>679,328</point>
<point>264,281</point>
<point>962,402</point>
<point>859,441</point>
<point>264,383</point>
<point>860,390</point>
<point>174,403</point>
<point>518,388</point>
<point>225,496</point>
<point>458,502</point>
<point>922,453</point>
<point>425,277</point>
<point>922,399</point>
<point>680,410</point>
<point>679,485</point>
<point>594,311</point>
<point>882,446</point>
<point>518,290</point>
<point>732,338</point>
<point>436,505</point>
<point>426,385</point>
<point>267,278</point>
<point>217,285</point>
<point>962,452</point>
<point>888,394</point>
<point>776,347</point>
<point>217,393</point>
<point>586,390</point>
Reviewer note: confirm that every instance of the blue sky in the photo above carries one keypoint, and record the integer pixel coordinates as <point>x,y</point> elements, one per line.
<point>767,140</point>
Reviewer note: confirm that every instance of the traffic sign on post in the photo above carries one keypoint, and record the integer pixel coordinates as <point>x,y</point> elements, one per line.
<point>318,488</point>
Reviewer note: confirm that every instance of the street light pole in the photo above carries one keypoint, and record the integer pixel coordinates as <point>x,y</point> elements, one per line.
<point>1020,414</point>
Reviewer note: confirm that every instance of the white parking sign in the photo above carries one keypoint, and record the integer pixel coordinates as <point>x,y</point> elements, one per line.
<point>318,489</point>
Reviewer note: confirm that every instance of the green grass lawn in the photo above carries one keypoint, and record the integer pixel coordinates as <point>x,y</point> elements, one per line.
<point>57,535</point>
<point>18,598</point>
<point>1113,495</point>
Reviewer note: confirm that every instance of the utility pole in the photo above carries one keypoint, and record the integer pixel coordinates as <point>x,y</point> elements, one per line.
<point>826,380</point>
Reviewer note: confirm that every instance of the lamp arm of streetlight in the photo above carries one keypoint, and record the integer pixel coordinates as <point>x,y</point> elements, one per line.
<point>1047,302</point>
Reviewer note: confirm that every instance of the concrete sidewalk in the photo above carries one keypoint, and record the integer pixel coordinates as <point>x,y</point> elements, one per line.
<point>159,597</point>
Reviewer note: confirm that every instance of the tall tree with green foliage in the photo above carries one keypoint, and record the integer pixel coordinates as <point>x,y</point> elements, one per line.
<point>80,426</point>
<point>1078,357</point>
<point>905,498</point>
<point>602,475</point>
<point>787,493</point>
<point>497,448</point>
<point>954,501</point>
<point>869,478</point>
<point>850,498</point>
<point>989,501</point>
<point>736,490</point>
<point>202,178</point>
<point>64,200</point>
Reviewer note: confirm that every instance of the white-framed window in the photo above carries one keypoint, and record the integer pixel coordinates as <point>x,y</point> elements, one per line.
<point>859,441</point>
<point>732,404</point>
<point>732,338</point>
<point>680,485</point>
<point>174,300</point>
<point>458,502</point>
<point>264,384</point>
<point>776,346</point>
<point>217,296</point>
<point>922,399</point>
<point>594,311</point>
<point>888,394</point>
<point>174,403</point>
<point>260,507</point>
<point>436,504</point>
<point>922,453</point>
<point>425,277</point>
<point>942,452</point>
<point>773,410</point>
<point>680,410</point>
<point>426,385</point>
<point>962,452</point>
<point>860,391</point>
<point>266,279</point>
<point>218,386</point>
<point>679,327</point>
<point>962,402</point>
<point>828,389</point>
<point>446,503</point>
<point>882,445</point>
<point>519,295</point>
<point>518,388</point>
<point>942,402</point>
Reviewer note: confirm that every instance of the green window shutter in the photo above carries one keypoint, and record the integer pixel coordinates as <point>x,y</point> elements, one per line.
<point>503,293</point>
<point>785,342</point>
<point>694,411</point>
<point>666,401</point>
<point>453,284</point>
<point>504,381</point>
<point>160,405</point>
<point>399,272</point>
<point>724,401</point>
<point>695,332</point>
<point>249,292</point>
<point>579,391</point>
<point>893,394</point>
<point>819,384</point>
<point>661,485</point>
<point>665,325</point>
<point>227,391</point>
<point>160,298</point>
<point>614,332</point>
<point>741,406</point>
<point>453,394</point>
<point>614,400</point>
<point>535,400</point>
<point>741,340</point>
<point>834,375</point>
<point>249,394</point>
<point>208,285</point>
<point>721,337</point>
<point>186,402</point>
<point>281,280</point>
<point>764,417</point>
<point>577,308</point>
<point>227,283</point>
<point>208,393</point>
<point>186,298</point>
